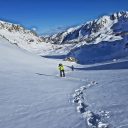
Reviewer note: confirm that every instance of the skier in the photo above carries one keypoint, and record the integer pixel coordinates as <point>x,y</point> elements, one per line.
<point>72,67</point>
<point>61,69</point>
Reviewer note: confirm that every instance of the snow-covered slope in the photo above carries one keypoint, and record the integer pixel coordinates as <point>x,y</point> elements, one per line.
<point>31,93</point>
<point>100,52</point>
<point>33,96</point>
<point>105,96</point>
<point>25,39</point>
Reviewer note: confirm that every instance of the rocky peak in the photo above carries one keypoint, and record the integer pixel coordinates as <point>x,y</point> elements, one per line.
<point>85,31</point>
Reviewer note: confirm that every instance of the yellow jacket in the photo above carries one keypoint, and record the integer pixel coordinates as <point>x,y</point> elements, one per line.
<point>61,68</point>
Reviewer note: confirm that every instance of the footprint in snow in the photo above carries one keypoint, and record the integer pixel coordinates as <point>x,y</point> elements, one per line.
<point>93,120</point>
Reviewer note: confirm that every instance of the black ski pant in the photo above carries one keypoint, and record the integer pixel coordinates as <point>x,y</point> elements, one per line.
<point>62,73</point>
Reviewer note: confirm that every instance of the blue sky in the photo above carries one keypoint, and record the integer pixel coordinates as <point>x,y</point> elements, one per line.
<point>53,15</point>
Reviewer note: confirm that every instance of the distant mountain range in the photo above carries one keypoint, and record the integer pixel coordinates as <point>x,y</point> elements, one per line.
<point>90,31</point>
<point>98,40</point>
<point>102,39</point>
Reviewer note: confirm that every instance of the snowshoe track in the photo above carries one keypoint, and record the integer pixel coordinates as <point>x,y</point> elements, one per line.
<point>93,120</point>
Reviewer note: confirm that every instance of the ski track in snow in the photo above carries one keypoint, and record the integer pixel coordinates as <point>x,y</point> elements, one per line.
<point>94,120</point>
<point>67,78</point>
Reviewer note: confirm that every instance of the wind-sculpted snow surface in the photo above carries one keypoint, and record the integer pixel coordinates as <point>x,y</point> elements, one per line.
<point>28,100</point>
<point>32,95</point>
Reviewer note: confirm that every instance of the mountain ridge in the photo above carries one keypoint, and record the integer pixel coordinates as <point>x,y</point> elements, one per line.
<point>74,42</point>
<point>84,31</point>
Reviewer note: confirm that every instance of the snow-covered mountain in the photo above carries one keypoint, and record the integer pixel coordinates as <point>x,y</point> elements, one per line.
<point>111,25</point>
<point>26,39</point>
<point>32,95</point>
<point>98,40</point>
<point>102,39</point>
